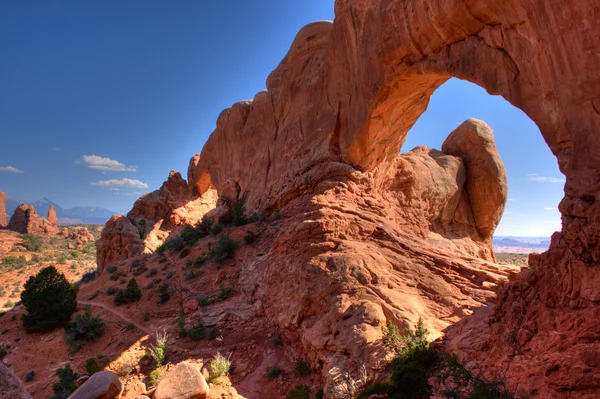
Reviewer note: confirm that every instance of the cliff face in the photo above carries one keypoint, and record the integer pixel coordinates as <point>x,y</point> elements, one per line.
<point>26,220</point>
<point>368,235</point>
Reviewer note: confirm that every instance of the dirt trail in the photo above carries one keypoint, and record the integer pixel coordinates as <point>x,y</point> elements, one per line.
<point>119,314</point>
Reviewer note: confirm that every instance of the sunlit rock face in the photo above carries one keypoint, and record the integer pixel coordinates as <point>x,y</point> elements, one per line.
<point>368,235</point>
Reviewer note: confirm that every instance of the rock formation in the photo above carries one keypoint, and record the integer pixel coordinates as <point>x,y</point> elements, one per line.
<point>151,220</point>
<point>25,220</point>
<point>2,209</point>
<point>10,386</point>
<point>369,236</point>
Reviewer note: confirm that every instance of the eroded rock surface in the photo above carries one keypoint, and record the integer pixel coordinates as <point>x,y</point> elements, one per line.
<point>2,209</point>
<point>101,385</point>
<point>365,237</point>
<point>26,220</point>
<point>10,386</point>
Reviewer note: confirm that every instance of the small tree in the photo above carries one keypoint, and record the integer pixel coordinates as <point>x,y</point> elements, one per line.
<point>50,300</point>
<point>65,385</point>
<point>133,292</point>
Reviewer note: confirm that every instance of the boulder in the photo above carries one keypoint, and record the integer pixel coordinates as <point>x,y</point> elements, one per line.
<point>101,385</point>
<point>10,386</point>
<point>182,382</point>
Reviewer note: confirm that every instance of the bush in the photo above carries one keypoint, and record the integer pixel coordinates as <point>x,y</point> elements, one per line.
<point>3,353</point>
<point>133,292</point>
<point>91,366</point>
<point>49,299</point>
<point>181,325</point>
<point>204,226</point>
<point>376,388</point>
<point>119,298</point>
<point>114,276</point>
<point>190,235</point>
<point>216,229</point>
<point>111,269</point>
<point>184,252</point>
<point>30,375</point>
<point>86,326</point>
<point>302,368</point>
<point>273,372</point>
<point>88,276</point>
<point>225,248</point>
<point>224,292</point>
<point>299,392</point>
<point>250,237</point>
<point>220,366</point>
<point>158,352</point>
<point>165,293</point>
<point>276,214</point>
<point>32,243</point>
<point>176,244</point>
<point>152,272</point>
<point>414,364</point>
<point>154,377</point>
<point>199,261</point>
<point>65,385</point>
<point>204,300</point>
<point>238,212</point>
<point>111,290</point>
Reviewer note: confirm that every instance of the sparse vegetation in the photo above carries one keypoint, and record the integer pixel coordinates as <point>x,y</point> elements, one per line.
<point>91,366</point>
<point>111,269</point>
<point>184,253</point>
<point>50,300</point>
<point>65,385</point>
<point>302,367</point>
<point>32,242</point>
<point>165,293</point>
<point>299,392</point>
<point>127,365</point>
<point>238,212</point>
<point>216,229</point>
<point>133,292</point>
<point>30,376</point>
<point>273,372</point>
<point>276,214</point>
<point>250,237</point>
<point>158,352</point>
<point>224,292</point>
<point>119,298</point>
<point>224,249</point>
<point>86,326</point>
<point>219,366</point>
<point>154,377</point>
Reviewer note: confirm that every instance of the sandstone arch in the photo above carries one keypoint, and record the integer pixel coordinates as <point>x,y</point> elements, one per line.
<point>321,144</point>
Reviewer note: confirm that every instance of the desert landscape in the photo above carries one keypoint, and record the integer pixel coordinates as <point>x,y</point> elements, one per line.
<point>304,256</point>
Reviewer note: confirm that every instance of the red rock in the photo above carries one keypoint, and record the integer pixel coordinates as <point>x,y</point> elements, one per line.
<point>366,238</point>
<point>182,382</point>
<point>52,219</point>
<point>101,385</point>
<point>26,220</point>
<point>2,209</point>
<point>12,387</point>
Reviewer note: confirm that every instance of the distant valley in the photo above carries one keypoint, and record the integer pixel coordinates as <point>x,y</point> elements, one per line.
<point>76,215</point>
<point>520,245</point>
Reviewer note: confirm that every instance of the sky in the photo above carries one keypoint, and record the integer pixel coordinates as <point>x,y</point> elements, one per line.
<point>101,99</point>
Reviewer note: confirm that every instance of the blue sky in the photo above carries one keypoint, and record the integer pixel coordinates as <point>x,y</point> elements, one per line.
<point>102,99</point>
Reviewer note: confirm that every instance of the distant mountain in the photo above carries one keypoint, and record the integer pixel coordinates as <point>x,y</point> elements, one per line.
<point>77,215</point>
<point>529,242</point>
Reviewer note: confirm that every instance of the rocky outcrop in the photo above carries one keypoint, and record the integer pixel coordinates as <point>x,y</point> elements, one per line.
<point>182,382</point>
<point>101,385</point>
<point>151,220</point>
<point>365,238</point>
<point>10,386</point>
<point>2,209</point>
<point>25,220</point>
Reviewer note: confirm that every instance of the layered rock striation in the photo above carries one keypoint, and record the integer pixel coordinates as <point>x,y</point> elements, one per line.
<point>368,235</point>
<point>25,220</point>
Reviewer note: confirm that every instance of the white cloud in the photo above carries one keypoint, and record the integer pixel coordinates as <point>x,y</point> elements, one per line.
<point>544,179</point>
<point>10,169</point>
<point>120,183</point>
<point>104,164</point>
<point>116,189</point>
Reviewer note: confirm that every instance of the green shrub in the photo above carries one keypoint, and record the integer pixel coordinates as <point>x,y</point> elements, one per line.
<point>114,276</point>
<point>86,326</point>
<point>111,269</point>
<point>250,237</point>
<point>204,300</point>
<point>158,352</point>
<point>319,394</point>
<point>204,226</point>
<point>111,290</point>
<point>30,375</point>
<point>65,385</point>
<point>61,260</point>
<point>216,229</point>
<point>225,248</point>
<point>152,272</point>
<point>299,392</point>
<point>165,293</point>
<point>190,235</point>
<point>414,363</point>
<point>276,214</point>
<point>184,252</point>
<point>176,244</point>
<point>133,292</point>
<point>154,377</point>
<point>196,333</point>
<point>3,353</point>
<point>302,367</point>
<point>91,366</point>
<point>119,298</point>
<point>181,325</point>
<point>238,212</point>
<point>199,261</point>
<point>224,292</point>
<point>50,300</point>
<point>32,243</point>
<point>219,366</point>
<point>273,372</point>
